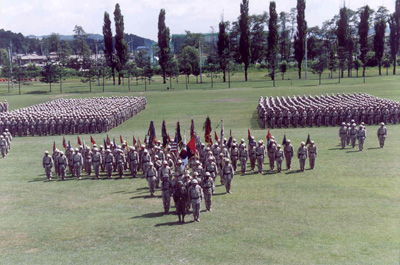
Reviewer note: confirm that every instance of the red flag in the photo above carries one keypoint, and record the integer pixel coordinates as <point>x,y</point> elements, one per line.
<point>108,140</point>
<point>79,141</point>
<point>134,140</point>
<point>92,140</point>
<point>207,129</point>
<point>54,147</point>
<point>216,136</point>
<point>64,143</point>
<point>269,135</point>
<point>191,147</point>
<point>121,139</point>
<point>248,134</point>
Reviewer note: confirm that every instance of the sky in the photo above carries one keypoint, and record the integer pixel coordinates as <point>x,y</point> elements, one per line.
<point>43,17</point>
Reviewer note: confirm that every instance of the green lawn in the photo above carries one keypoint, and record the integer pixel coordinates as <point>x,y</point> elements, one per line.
<point>346,211</point>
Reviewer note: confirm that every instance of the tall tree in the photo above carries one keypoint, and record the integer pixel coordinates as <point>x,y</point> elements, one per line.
<point>80,45</point>
<point>63,55</point>
<point>163,44</point>
<point>394,24</point>
<point>342,34</point>
<point>223,48</point>
<point>379,37</point>
<point>299,39</point>
<point>109,45</point>
<point>257,37</point>
<point>273,38</point>
<point>121,46</point>
<point>283,19</point>
<point>363,28</point>
<point>244,42</point>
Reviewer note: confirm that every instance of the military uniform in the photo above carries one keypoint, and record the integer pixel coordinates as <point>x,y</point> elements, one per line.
<point>312,154</point>
<point>382,133</point>
<point>47,165</point>
<point>97,161</point>
<point>343,135</point>
<point>180,197</point>
<point>227,174</point>
<point>361,135</point>
<point>195,196</point>
<point>207,186</point>
<point>109,162</point>
<point>151,176</point>
<point>302,156</point>
<point>278,157</point>
<point>166,188</point>
<point>78,162</point>
<point>62,163</point>
<point>288,151</point>
<point>260,153</point>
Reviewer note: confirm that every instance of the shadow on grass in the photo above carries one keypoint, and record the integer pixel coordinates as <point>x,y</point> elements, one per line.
<point>352,151</point>
<point>37,92</point>
<point>294,172</point>
<point>374,148</point>
<point>219,194</point>
<point>145,197</point>
<point>338,148</point>
<point>270,173</point>
<point>149,215</point>
<point>249,173</point>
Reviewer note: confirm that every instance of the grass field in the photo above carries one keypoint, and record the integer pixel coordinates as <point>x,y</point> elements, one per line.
<point>346,211</point>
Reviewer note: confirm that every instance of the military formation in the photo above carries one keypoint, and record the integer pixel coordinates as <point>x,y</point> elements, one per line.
<point>187,181</point>
<point>329,110</point>
<point>5,143</point>
<point>71,116</point>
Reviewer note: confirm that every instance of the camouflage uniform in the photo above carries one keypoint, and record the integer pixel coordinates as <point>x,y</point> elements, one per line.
<point>302,156</point>
<point>207,186</point>
<point>382,133</point>
<point>312,154</point>
<point>47,164</point>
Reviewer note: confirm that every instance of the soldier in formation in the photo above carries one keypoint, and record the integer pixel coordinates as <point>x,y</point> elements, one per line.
<point>382,133</point>
<point>70,116</point>
<point>5,143</point>
<point>329,110</point>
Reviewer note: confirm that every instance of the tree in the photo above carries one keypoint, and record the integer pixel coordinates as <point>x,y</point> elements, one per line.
<point>273,38</point>
<point>172,70</point>
<point>394,24</point>
<point>121,46</point>
<point>342,34</point>
<point>357,65</point>
<point>386,62</point>
<point>49,72</point>
<point>257,37</point>
<point>299,39</point>
<point>80,45</point>
<point>131,70</point>
<point>89,70</point>
<point>52,42</point>
<point>379,37</point>
<point>148,70</point>
<point>363,28</point>
<point>283,19</point>
<point>189,61</point>
<point>283,68</point>
<point>63,55</point>
<point>332,63</point>
<point>244,42</point>
<point>163,44</point>
<point>223,46</point>
<point>319,66</point>
<point>109,45</point>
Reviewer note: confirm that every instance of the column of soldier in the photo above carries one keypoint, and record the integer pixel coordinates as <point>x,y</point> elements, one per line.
<point>69,116</point>
<point>188,183</point>
<point>4,106</point>
<point>329,110</point>
<point>5,143</point>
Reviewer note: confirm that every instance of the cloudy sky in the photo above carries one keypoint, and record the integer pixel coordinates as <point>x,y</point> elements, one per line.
<point>42,17</point>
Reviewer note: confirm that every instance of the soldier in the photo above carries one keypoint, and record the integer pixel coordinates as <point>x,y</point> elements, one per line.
<point>271,154</point>
<point>212,168</point>
<point>195,196</point>
<point>361,135</point>
<point>70,156</point>
<point>78,162</point>
<point>296,117</point>
<point>199,170</point>
<point>165,171</point>
<point>382,133</point>
<point>180,198</point>
<point>207,186</point>
<point>120,161</point>
<point>62,164</point>
<point>243,155</point>
<point>312,154</point>
<point>151,177</point>
<point>334,115</point>
<point>353,135</point>
<point>146,159</point>
<point>234,155</point>
<point>96,161</point>
<point>133,161</point>
<point>227,174</point>
<point>343,134</point>
<point>302,155</point>
<point>260,153</point>
<point>279,156</point>
<point>109,161</point>
<point>55,156</point>
<point>3,146</point>
<point>288,151</point>
<point>166,188</point>
<point>88,161</point>
<point>47,164</point>
<point>348,134</point>
<point>252,156</point>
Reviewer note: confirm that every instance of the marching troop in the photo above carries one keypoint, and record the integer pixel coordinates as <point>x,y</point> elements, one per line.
<point>70,116</point>
<point>329,110</point>
<point>5,143</point>
<point>187,181</point>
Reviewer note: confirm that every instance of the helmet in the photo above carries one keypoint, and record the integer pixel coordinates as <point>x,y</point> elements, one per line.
<point>61,153</point>
<point>194,181</point>
<point>208,174</point>
<point>382,124</point>
<point>278,146</point>
<point>165,162</point>
<point>76,150</point>
<point>46,153</point>
<point>151,163</point>
<point>179,162</point>
<point>302,143</point>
